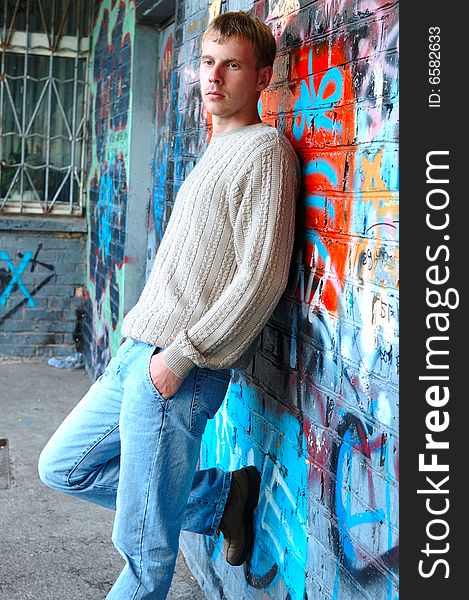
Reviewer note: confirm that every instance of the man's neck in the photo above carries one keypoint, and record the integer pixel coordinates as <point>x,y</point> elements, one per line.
<point>220,126</point>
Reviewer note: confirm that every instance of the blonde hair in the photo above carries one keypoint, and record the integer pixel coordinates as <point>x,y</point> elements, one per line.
<point>242,24</point>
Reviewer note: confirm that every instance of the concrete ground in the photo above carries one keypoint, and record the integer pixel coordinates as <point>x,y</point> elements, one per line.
<point>52,546</point>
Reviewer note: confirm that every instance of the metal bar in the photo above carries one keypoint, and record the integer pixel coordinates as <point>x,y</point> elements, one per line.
<point>12,102</point>
<point>44,136</point>
<point>36,167</point>
<point>60,105</point>
<point>86,135</point>
<point>78,140</point>
<point>59,169</point>
<point>13,181</point>
<point>60,188</point>
<point>37,107</point>
<point>64,18</point>
<point>53,24</point>
<point>84,143</point>
<point>43,18</point>
<point>2,94</point>
<point>34,190</point>
<point>30,77</point>
<point>74,108</point>
<point>85,119</point>
<point>80,129</point>
<point>23,116</point>
<point>15,77</point>
<point>38,135</point>
<point>10,31</point>
<point>4,26</point>
<point>49,106</point>
<point>78,20</point>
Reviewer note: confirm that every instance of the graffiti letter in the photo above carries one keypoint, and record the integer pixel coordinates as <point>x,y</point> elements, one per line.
<point>16,279</point>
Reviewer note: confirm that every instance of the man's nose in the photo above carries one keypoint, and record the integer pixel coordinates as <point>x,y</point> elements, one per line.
<point>215,76</point>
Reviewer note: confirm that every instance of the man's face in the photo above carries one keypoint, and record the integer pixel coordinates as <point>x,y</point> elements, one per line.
<point>230,80</point>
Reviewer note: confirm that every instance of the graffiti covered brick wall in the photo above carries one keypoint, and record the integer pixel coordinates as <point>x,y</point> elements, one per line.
<point>318,411</point>
<point>110,98</point>
<point>42,278</point>
<point>162,172</point>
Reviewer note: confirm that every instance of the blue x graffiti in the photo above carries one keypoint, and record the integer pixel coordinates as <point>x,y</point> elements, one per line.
<point>16,278</point>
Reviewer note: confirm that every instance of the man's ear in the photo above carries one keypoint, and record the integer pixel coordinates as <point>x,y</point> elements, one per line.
<point>264,75</point>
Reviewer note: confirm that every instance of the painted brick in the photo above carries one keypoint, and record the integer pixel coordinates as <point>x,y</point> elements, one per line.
<point>8,350</point>
<point>55,327</point>
<point>18,325</point>
<point>30,309</point>
<point>70,315</point>
<point>59,302</point>
<point>33,314</point>
<point>39,339</point>
<point>70,279</point>
<point>342,341</point>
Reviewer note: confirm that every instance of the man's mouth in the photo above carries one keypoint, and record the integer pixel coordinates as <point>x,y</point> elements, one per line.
<point>214,95</point>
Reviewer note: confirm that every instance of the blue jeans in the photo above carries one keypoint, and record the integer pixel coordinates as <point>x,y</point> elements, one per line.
<point>127,448</point>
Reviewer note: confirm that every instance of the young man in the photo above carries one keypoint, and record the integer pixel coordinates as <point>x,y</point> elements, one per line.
<point>133,442</point>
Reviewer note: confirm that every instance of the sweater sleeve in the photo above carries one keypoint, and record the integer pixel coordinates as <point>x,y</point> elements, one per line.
<point>262,208</point>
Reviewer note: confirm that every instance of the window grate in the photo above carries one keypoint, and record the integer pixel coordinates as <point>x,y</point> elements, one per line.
<point>44,48</point>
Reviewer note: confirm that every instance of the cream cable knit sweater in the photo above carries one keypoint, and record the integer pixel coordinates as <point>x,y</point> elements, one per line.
<point>224,259</point>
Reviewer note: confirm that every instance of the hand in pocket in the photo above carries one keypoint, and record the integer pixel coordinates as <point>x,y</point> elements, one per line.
<point>165,381</point>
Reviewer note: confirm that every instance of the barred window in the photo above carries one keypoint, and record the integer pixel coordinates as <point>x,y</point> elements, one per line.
<point>43,105</point>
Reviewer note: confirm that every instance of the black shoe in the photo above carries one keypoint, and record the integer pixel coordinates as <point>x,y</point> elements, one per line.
<point>237,521</point>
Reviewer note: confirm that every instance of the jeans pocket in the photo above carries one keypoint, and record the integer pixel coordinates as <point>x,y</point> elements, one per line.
<point>210,389</point>
<point>198,418</point>
<point>125,348</point>
<point>154,350</point>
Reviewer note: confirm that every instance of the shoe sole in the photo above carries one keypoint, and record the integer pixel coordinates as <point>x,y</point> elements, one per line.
<point>254,486</point>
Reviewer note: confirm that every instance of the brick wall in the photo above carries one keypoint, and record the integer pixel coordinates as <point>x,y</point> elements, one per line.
<point>42,276</point>
<point>110,78</point>
<point>318,411</point>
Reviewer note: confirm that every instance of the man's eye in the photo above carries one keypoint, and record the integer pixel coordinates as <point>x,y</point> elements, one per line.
<point>234,65</point>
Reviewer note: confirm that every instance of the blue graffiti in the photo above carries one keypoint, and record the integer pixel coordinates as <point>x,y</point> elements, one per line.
<point>316,105</point>
<point>16,278</point>
<point>354,437</point>
<point>159,189</point>
<point>104,208</point>
<point>108,202</point>
<point>112,186</point>
<point>280,549</point>
<point>346,520</point>
<point>321,166</point>
<point>314,201</point>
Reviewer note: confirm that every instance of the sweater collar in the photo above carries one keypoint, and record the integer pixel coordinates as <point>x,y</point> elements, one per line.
<point>244,128</point>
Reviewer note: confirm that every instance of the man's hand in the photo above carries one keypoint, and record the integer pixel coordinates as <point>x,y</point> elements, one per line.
<point>165,381</point>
